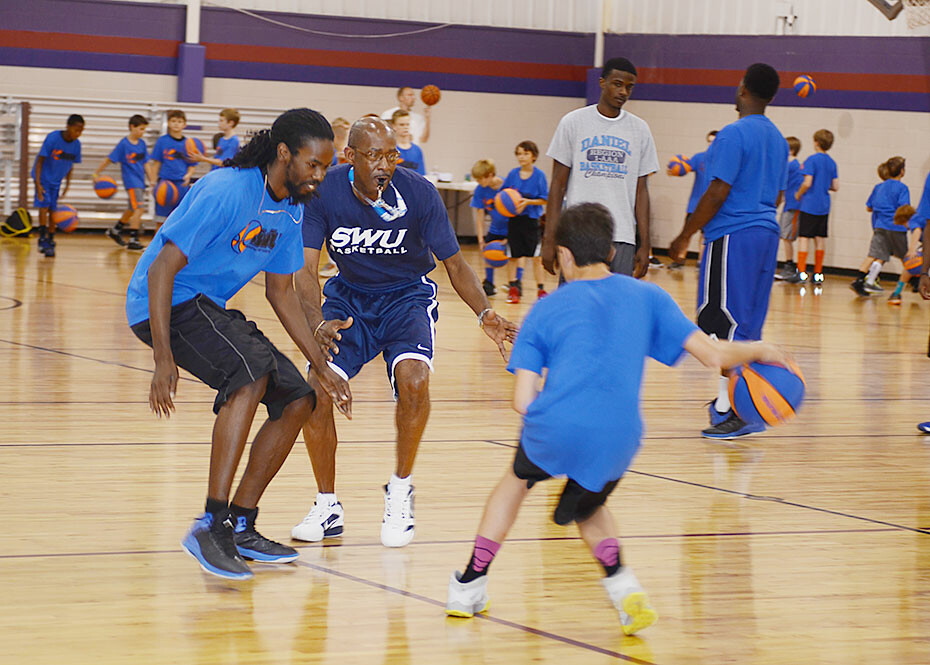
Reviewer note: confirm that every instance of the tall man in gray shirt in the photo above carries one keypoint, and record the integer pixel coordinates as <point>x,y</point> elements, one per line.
<point>603,154</point>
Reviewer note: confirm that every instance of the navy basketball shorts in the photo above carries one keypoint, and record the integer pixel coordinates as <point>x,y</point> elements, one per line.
<point>50,200</point>
<point>164,211</point>
<point>735,283</point>
<point>399,323</point>
<point>226,351</point>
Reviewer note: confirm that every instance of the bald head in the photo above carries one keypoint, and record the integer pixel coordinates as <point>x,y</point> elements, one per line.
<point>368,129</point>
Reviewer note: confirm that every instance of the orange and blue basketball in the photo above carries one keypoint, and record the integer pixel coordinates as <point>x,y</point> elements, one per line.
<point>65,218</point>
<point>495,254</point>
<point>915,263</point>
<point>804,85</point>
<point>764,394</point>
<point>166,193</point>
<point>506,202</point>
<point>679,165</point>
<point>105,187</point>
<point>193,146</point>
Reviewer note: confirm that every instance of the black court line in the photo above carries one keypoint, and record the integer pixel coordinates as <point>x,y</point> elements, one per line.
<point>493,619</point>
<point>14,303</point>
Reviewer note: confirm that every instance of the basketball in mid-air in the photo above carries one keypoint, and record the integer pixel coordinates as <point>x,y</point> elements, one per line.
<point>65,218</point>
<point>430,95</point>
<point>804,85</point>
<point>763,394</point>
<point>105,187</point>
<point>679,165</point>
<point>506,202</point>
<point>495,254</point>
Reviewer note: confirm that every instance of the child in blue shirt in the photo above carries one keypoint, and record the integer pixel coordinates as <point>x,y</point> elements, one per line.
<point>169,161</point>
<point>820,178</point>
<point>411,156</point>
<point>60,151</point>
<point>590,339</point>
<point>228,144</point>
<point>523,231</point>
<point>482,204</point>
<point>888,237</point>
<point>698,163</point>
<point>789,214</point>
<point>131,154</point>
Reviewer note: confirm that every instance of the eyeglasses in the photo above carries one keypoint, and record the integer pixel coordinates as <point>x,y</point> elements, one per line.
<point>374,156</point>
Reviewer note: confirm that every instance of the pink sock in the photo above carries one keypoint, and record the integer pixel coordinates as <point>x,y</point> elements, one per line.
<point>608,552</point>
<point>484,553</point>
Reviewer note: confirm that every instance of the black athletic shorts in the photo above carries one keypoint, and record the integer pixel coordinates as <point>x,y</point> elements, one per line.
<point>523,236</point>
<point>576,503</point>
<point>225,351</point>
<point>491,237</point>
<point>812,226</point>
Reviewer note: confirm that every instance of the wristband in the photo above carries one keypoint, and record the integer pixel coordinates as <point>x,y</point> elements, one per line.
<point>481,316</point>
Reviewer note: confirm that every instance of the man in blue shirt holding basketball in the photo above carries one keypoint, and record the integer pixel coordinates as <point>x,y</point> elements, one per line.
<point>382,226</point>
<point>60,151</point>
<point>747,166</point>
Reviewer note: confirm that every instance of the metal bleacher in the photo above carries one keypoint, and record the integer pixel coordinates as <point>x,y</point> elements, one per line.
<point>106,122</point>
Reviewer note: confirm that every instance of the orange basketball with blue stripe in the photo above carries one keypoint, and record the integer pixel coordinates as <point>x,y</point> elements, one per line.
<point>804,85</point>
<point>65,218</point>
<point>495,254</point>
<point>105,187</point>
<point>506,202</point>
<point>679,165</point>
<point>915,263</point>
<point>166,193</point>
<point>191,146</point>
<point>764,394</point>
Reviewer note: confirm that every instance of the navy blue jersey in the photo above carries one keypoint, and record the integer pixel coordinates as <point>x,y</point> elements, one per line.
<point>60,156</point>
<point>130,157</point>
<point>373,253</point>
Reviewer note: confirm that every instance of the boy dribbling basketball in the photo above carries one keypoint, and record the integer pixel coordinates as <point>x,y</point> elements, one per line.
<point>584,422</point>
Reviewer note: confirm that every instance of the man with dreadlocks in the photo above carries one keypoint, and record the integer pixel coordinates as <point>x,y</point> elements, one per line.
<point>234,223</point>
<point>382,228</point>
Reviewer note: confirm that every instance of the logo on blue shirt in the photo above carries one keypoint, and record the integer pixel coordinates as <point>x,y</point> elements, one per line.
<point>255,237</point>
<point>349,240</point>
<point>61,155</point>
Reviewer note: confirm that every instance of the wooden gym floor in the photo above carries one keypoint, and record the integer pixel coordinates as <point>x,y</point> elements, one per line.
<point>806,544</point>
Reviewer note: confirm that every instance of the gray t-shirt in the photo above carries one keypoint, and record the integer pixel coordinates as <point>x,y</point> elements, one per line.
<point>607,156</point>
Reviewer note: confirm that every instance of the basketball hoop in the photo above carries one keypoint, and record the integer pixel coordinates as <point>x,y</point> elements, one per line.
<point>918,13</point>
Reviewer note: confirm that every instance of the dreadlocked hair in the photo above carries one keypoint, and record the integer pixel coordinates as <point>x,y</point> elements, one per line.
<point>292,128</point>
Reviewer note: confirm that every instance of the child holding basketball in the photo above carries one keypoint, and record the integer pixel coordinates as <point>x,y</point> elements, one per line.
<point>584,422</point>
<point>228,145</point>
<point>482,204</point>
<point>411,156</point>
<point>60,151</point>
<point>820,178</point>
<point>170,162</point>
<point>523,235</point>
<point>131,154</point>
<point>889,236</point>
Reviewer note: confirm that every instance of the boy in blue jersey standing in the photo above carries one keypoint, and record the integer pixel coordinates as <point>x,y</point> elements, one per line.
<point>169,161</point>
<point>382,226</point>
<point>60,151</point>
<point>482,204</point>
<point>699,186</point>
<point>235,223</point>
<point>411,155</point>
<point>820,178</point>
<point>131,154</point>
<point>523,233</point>
<point>590,339</point>
<point>228,144</point>
<point>789,214</point>
<point>747,166</point>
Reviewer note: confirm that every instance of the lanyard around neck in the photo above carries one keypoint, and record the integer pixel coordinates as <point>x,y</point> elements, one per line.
<point>385,210</point>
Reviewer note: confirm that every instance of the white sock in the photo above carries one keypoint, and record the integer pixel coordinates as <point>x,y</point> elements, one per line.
<point>723,395</point>
<point>401,482</point>
<point>874,269</point>
<point>325,499</point>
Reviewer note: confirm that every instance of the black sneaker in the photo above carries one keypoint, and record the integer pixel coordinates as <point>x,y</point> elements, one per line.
<point>114,235</point>
<point>211,543</point>
<point>254,546</point>
<point>488,287</point>
<point>731,428</point>
<point>134,244</point>
<point>859,287</point>
<point>49,247</point>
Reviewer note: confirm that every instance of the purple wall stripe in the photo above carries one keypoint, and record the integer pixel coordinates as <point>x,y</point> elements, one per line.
<point>108,62</point>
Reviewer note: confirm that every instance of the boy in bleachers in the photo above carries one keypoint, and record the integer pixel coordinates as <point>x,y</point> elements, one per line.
<point>60,151</point>
<point>169,161</point>
<point>131,154</point>
<point>482,203</point>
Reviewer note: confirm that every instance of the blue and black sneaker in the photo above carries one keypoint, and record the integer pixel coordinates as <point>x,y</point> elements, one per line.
<point>210,541</point>
<point>254,546</point>
<point>924,427</point>
<point>717,417</point>
<point>731,428</point>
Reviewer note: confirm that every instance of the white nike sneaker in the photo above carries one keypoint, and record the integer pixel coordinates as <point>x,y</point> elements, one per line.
<point>325,520</point>
<point>397,525</point>
<point>632,603</point>
<point>468,599</point>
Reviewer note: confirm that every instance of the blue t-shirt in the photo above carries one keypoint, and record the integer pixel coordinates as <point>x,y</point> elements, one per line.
<point>699,166</point>
<point>795,178</point>
<point>130,157</point>
<point>483,199</point>
<point>412,158</point>
<point>172,153</point>
<point>885,199</point>
<point>816,200</point>
<point>534,187</point>
<point>919,220</point>
<point>370,252</point>
<point>226,148</point>
<point>752,157</point>
<point>594,337</point>
<point>60,156</point>
<point>230,228</point>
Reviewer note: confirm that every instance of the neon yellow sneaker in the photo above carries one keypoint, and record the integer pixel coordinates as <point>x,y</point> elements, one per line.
<point>632,603</point>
